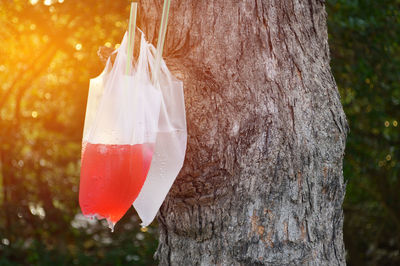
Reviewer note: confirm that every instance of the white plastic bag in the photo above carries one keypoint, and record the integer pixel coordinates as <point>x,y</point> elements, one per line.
<point>170,147</point>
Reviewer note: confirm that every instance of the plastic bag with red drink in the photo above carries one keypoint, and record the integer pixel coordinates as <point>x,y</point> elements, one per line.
<point>119,136</point>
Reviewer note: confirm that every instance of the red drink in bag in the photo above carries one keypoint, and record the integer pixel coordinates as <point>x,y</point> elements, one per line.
<point>112,177</point>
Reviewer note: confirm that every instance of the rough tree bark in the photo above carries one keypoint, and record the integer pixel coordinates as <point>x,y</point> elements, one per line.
<point>262,183</point>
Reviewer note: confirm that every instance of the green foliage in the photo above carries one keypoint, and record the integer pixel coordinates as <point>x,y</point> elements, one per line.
<point>364,38</point>
<point>48,53</point>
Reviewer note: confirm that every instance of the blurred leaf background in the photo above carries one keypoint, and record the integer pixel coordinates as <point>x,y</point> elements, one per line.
<point>47,56</point>
<point>364,38</point>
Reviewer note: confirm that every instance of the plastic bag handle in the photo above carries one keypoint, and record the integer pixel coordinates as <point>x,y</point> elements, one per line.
<point>146,60</point>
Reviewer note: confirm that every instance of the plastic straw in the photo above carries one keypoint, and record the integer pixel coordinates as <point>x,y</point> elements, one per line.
<point>161,39</point>
<point>131,37</point>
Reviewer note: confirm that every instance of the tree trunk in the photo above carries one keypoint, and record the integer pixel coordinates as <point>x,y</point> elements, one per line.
<point>262,182</point>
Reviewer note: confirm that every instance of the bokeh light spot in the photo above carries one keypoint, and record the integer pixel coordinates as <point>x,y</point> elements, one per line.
<point>34,114</point>
<point>387,124</point>
<point>139,236</point>
<point>78,46</point>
